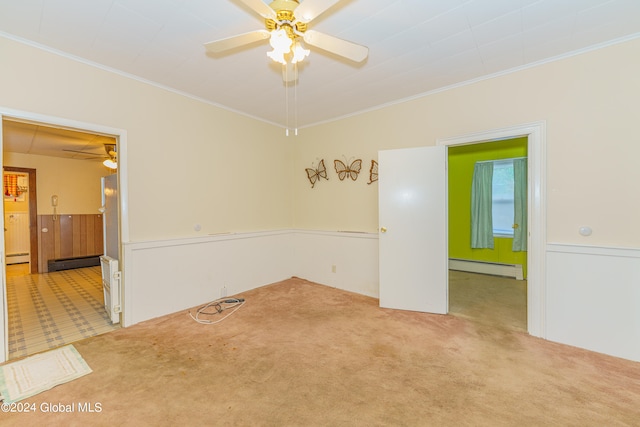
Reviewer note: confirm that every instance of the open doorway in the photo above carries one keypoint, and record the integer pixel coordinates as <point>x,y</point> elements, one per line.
<point>69,291</point>
<point>487,280</point>
<point>535,136</point>
<point>20,219</point>
<point>413,242</point>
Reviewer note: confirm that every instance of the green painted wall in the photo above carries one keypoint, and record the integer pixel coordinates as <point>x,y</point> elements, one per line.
<point>461,163</point>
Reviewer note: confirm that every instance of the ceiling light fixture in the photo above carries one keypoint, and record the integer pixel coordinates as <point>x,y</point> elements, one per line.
<point>285,33</point>
<point>279,20</point>
<point>112,161</point>
<point>281,44</point>
<point>110,164</point>
<point>299,52</point>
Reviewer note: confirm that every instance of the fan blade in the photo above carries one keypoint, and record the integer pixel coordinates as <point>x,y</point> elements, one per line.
<point>260,8</point>
<point>310,9</point>
<point>346,49</point>
<point>221,45</point>
<point>86,153</point>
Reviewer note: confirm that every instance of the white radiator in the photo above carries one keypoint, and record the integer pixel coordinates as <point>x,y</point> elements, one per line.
<point>495,269</point>
<point>111,287</point>
<point>16,237</point>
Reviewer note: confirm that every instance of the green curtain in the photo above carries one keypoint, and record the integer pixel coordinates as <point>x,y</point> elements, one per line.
<point>481,205</point>
<point>520,205</point>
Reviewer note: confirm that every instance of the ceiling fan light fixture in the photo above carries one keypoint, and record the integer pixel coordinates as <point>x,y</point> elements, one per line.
<point>299,52</point>
<point>280,18</point>
<point>281,44</point>
<point>110,164</point>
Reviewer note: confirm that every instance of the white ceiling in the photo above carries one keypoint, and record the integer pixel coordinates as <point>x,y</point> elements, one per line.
<point>415,46</point>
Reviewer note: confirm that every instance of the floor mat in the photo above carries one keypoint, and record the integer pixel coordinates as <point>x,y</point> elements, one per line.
<point>35,374</point>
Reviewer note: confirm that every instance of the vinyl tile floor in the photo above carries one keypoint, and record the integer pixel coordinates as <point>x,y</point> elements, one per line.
<point>46,311</point>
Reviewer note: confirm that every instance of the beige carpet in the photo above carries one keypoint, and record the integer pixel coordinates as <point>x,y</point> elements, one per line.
<point>302,354</point>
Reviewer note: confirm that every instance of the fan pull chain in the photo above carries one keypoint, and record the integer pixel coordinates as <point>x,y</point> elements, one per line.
<point>285,71</point>
<point>285,74</point>
<point>295,99</point>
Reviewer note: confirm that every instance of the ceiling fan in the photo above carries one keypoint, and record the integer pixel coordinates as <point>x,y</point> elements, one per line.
<point>112,156</point>
<point>286,27</point>
<point>112,161</point>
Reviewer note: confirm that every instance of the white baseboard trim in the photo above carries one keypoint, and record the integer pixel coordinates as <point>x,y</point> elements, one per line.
<point>492,268</point>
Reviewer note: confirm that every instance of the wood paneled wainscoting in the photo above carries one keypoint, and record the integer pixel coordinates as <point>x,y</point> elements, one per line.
<point>68,236</point>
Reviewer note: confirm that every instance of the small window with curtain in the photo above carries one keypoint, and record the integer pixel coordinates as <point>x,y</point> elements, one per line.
<point>499,203</point>
<point>15,187</point>
<point>503,198</point>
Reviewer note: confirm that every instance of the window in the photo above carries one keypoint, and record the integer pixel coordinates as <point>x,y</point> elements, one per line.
<point>502,198</point>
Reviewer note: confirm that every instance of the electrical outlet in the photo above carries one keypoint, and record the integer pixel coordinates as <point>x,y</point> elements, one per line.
<point>223,292</point>
<point>333,268</point>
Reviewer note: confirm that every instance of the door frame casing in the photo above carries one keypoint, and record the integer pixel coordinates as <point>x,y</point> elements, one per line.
<point>536,209</point>
<point>121,141</point>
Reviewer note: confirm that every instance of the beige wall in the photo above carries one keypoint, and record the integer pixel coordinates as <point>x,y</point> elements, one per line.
<point>192,163</point>
<point>589,102</point>
<point>187,162</point>
<point>75,182</point>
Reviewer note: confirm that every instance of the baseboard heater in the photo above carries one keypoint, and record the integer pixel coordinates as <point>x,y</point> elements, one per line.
<point>20,258</point>
<point>493,268</point>
<point>69,263</point>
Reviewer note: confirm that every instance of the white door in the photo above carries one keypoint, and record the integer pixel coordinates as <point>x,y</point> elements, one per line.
<point>413,245</point>
<point>109,261</point>
<point>110,216</point>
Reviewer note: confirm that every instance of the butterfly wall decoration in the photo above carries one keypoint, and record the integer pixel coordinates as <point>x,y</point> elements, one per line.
<point>373,172</point>
<point>314,174</point>
<point>351,170</point>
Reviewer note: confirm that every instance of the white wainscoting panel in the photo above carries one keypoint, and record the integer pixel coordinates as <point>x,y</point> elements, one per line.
<point>343,260</point>
<point>593,299</point>
<point>164,277</point>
